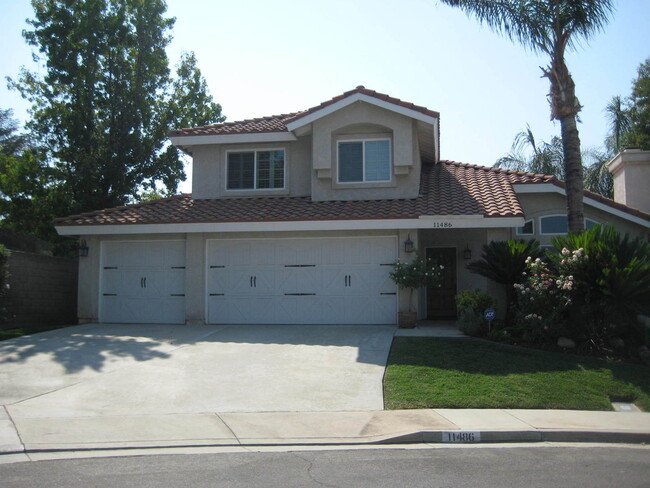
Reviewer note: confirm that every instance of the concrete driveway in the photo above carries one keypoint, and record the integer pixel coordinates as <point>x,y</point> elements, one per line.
<point>95,370</point>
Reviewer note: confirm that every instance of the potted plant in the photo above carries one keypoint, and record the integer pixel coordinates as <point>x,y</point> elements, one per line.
<point>412,276</point>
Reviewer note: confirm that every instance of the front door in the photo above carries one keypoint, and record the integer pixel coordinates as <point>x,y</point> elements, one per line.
<point>441,302</point>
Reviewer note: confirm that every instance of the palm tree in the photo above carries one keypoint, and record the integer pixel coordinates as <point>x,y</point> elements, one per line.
<point>527,155</point>
<point>619,123</point>
<point>550,27</point>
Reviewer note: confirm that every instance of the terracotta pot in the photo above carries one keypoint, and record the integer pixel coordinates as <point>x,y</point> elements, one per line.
<point>407,320</point>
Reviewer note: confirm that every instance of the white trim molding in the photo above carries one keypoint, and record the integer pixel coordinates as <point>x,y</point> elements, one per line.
<point>440,222</point>
<point>523,188</point>
<point>317,114</point>
<point>232,138</point>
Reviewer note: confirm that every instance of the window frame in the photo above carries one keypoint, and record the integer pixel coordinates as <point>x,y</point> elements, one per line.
<point>541,218</point>
<point>526,234</point>
<point>255,151</point>
<point>363,141</point>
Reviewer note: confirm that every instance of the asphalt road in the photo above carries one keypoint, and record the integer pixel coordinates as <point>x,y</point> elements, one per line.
<point>501,467</point>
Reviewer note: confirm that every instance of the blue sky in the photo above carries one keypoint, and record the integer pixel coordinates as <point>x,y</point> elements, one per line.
<point>263,58</point>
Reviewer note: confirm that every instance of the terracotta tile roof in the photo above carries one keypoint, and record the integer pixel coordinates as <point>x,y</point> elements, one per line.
<point>277,123</point>
<point>273,123</point>
<point>448,188</point>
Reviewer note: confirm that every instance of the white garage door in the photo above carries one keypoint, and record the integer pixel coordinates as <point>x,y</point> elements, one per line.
<point>302,281</point>
<point>143,282</point>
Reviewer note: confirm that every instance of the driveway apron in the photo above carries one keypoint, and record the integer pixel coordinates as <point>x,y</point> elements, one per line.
<point>95,370</point>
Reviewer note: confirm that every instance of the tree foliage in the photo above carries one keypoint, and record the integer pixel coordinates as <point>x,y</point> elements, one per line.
<point>639,109</point>
<point>550,27</point>
<point>526,154</point>
<point>106,100</point>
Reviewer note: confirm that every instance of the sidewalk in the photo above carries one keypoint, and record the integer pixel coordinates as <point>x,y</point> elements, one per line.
<point>318,428</point>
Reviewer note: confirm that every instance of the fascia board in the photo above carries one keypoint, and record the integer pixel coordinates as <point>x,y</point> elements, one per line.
<point>308,119</point>
<point>424,222</point>
<point>233,138</point>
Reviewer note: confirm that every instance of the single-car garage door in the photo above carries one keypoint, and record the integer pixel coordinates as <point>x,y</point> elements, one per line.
<point>143,282</point>
<point>301,281</point>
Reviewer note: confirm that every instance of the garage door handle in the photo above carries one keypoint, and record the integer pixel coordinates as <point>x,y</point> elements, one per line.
<point>393,293</point>
<point>255,281</point>
<point>145,281</point>
<point>141,282</point>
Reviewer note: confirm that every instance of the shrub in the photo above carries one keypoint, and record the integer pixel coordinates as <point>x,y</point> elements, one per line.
<point>471,305</point>
<point>543,297</point>
<point>416,274</point>
<point>504,261</point>
<point>612,283</point>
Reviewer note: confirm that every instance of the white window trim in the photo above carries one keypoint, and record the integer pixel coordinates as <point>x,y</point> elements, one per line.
<point>521,233</point>
<point>255,188</point>
<point>363,152</point>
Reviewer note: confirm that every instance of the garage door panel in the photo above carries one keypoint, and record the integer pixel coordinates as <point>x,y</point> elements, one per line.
<point>301,281</point>
<point>143,282</point>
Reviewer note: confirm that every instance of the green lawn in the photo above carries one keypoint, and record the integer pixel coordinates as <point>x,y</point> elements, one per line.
<point>28,329</point>
<point>470,373</point>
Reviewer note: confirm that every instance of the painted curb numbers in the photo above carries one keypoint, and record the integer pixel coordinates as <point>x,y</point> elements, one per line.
<point>461,437</point>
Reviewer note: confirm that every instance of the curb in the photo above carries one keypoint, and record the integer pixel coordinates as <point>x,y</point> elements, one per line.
<point>421,437</point>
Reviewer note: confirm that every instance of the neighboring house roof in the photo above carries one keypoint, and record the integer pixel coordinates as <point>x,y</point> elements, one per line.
<point>447,188</point>
<point>278,123</point>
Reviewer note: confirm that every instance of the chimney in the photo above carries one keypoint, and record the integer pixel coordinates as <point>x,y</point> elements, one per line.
<point>631,171</point>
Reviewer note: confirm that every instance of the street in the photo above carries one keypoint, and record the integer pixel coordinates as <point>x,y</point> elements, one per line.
<point>485,466</point>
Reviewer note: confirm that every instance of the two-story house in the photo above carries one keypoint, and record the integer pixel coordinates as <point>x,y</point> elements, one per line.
<point>297,218</point>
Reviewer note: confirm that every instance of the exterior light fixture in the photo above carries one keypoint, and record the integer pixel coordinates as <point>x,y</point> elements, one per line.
<point>467,253</point>
<point>83,249</point>
<point>408,244</point>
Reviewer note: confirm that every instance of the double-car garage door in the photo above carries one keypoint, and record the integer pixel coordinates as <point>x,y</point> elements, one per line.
<point>254,281</point>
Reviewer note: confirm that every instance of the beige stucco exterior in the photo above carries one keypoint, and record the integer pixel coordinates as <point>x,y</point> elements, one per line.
<point>631,171</point>
<point>311,160</point>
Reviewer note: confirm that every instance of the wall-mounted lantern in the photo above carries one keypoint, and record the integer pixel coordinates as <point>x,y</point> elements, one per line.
<point>408,244</point>
<point>467,253</point>
<point>83,249</point>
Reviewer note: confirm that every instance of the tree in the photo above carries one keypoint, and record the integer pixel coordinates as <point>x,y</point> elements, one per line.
<point>526,155</point>
<point>639,109</point>
<point>550,27</point>
<point>104,106</point>
<point>619,124</point>
<point>30,195</point>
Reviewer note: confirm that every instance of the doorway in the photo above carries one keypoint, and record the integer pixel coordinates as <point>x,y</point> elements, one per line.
<point>441,302</point>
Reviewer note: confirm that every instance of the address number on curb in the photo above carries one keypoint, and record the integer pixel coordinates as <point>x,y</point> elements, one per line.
<point>461,437</point>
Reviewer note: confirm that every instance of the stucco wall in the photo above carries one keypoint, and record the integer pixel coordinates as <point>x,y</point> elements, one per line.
<point>537,205</point>
<point>364,119</point>
<point>209,169</point>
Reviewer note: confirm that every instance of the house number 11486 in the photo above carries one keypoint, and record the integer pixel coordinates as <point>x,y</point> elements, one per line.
<point>461,436</point>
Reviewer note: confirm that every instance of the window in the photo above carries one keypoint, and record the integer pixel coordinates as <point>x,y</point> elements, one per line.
<point>255,170</point>
<point>364,161</point>
<point>559,224</point>
<point>527,229</point>
<point>554,224</point>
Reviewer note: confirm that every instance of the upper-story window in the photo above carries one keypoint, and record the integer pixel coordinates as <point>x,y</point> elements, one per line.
<point>255,170</point>
<point>364,161</point>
